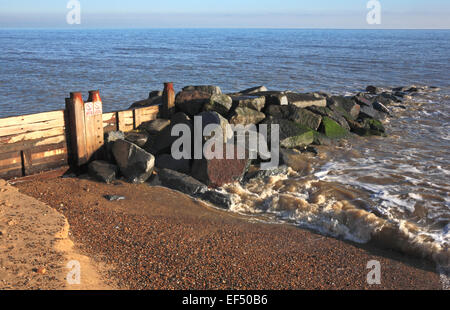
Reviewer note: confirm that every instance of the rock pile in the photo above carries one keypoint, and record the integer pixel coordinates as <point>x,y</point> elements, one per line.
<point>304,119</point>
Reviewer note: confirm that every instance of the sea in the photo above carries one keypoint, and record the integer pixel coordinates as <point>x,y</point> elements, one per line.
<point>392,190</point>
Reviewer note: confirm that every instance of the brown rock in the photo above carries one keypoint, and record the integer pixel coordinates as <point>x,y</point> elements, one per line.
<point>191,102</point>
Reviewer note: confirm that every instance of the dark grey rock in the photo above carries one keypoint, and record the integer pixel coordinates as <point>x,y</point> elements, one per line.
<point>344,104</point>
<point>381,107</point>
<point>155,126</point>
<point>181,182</point>
<point>154,99</point>
<point>291,134</point>
<point>253,90</point>
<point>103,171</point>
<point>138,138</point>
<point>261,174</point>
<point>110,138</point>
<point>331,113</point>
<point>219,103</point>
<point>166,161</point>
<point>278,111</point>
<point>372,89</point>
<point>305,118</point>
<point>135,164</point>
<point>221,200</point>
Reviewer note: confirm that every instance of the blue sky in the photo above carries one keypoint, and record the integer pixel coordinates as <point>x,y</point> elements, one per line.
<point>226,13</point>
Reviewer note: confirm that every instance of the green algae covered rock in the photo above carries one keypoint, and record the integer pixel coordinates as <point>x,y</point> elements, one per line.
<point>332,129</point>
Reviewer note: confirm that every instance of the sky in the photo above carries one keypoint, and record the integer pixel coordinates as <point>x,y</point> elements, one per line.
<point>404,14</point>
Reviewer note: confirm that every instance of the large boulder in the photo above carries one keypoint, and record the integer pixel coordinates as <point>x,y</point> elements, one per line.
<point>210,89</point>
<point>274,97</point>
<point>154,98</point>
<point>332,129</point>
<point>191,102</point>
<point>219,103</point>
<point>370,112</point>
<point>135,164</point>
<point>166,161</point>
<point>138,138</point>
<point>155,126</point>
<point>246,116</point>
<point>334,113</point>
<point>306,100</point>
<point>181,182</point>
<point>162,142</point>
<point>278,111</point>
<point>344,105</point>
<point>102,171</point>
<point>218,199</point>
<point>216,172</point>
<point>305,118</point>
<point>253,102</point>
<point>110,138</point>
<point>291,134</point>
<point>214,118</point>
<point>253,90</point>
<point>372,89</point>
<point>368,127</point>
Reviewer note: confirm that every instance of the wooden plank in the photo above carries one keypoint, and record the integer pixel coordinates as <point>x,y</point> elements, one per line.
<point>11,161</point>
<point>33,135</point>
<point>47,166</point>
<point>24,128</point>
<point>9,173</point>
<point>125,120</point>
<point>24,145</point>
<point>77,129</point>
<point>32,118</point>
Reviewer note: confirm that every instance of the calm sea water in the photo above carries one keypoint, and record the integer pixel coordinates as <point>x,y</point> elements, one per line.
<point>401,181</point>
<point>38,68</point>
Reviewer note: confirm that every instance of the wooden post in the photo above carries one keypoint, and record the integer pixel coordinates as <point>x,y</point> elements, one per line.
<point>77,129</point>
<point>168,101</point>
<point>93,111</point>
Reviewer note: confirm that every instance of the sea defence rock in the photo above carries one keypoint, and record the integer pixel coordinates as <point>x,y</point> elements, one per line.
<point>332,113</point>
<point>103,171</point>
<point>332,129</point>
<point>155,126</point>
<point>253,102</point>
<point>381,107</point>
<point>372,89</point>
<point>277,111</point>
<point>221,200</point>
<point>253,90</point>
<point>214,118</point>
<point>210,89</point>
<point>162,142</point>
<point>305,117</point>
<point>166,161</point>
<point>135,164</point>
<point>246,116</point>
<point>110,138</point>
<point>274,97</point>
<point>306,100</point>
<point>368,127</point>
<point>219,103</point>
<point>181,182</point>
<point>138,138</point>
<point>191,102</point>
<point>216,172</point>
<point>291,134</point>
<point>344,105</point>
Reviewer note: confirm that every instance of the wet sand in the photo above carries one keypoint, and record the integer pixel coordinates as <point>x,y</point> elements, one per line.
<point>161,239</point>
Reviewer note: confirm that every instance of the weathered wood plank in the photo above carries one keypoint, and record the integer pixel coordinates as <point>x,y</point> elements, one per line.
<point>32,118</point>
<point>25,128</point>
<point>33,135</point>
<point>30,144</point>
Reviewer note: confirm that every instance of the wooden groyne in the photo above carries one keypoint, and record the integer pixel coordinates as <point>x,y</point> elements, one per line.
<point>35,143</point>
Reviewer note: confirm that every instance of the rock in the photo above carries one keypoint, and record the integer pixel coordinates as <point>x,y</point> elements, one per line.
<point>210,89</point>
<point>306,100</point>
<point>261,174</point>
<point>181,182</point>
<point>291,134</point>
<point>246,116</point>
<point>332,129</point>
<point>191,102</point>
<point>335,113</point>
<point>369,127</point>
<point>214,118</point>
<point>253,90</point>
<point>369,112</point>
<point>305,118</point>
<point>381,107</point>
<point>110,138</point>
<point>347,104</point>
<point>363,100</point>
<point>155,126</point>
<point>134,163</point>
<point>274,97</point>
<point>253,102</point>
<point>219,171</point>
<point>162,142</point>
<point>221,200</point>
<point>219,103</point>
<point>138,138</point>
<point>278,111</point>
<point>387,99</point>
<point>154,98</point>
<point>103,171</point>
<point>166,161</point>
<point>372,89</point>
<point>114,197</point>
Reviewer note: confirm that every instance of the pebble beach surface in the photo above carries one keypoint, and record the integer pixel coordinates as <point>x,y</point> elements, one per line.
<point>160,239</point>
